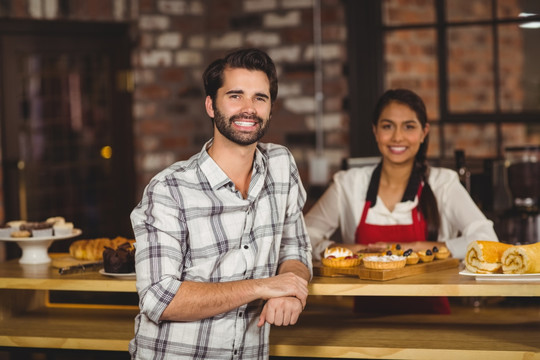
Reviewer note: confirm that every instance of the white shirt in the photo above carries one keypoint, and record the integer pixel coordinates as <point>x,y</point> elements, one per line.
<point>342,204</point>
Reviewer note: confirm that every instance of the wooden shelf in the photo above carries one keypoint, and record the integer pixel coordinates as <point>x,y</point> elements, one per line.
<point>466,334</point>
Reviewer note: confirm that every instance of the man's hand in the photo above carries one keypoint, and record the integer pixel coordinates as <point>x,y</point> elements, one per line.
<point>281,311</point>
<point>284,285</point>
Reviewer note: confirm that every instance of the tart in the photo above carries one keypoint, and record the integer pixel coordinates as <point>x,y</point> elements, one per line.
<point>441,253</point>
<point>384,262</point>
<point>426,256</point>
<point>339,257</point>
<point>412,257</point>
<point>396,249</point>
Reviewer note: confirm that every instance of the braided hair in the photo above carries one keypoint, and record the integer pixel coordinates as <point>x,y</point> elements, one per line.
<point>427,204</point>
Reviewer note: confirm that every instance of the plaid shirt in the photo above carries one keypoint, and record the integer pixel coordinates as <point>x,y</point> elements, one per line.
<point>192,224</point>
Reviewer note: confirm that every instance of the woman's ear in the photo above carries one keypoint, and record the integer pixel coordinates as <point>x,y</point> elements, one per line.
<point>208,104</point>
<point>426,131</point>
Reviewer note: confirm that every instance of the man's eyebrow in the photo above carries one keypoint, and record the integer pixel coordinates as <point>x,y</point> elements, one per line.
<point>242,91</point>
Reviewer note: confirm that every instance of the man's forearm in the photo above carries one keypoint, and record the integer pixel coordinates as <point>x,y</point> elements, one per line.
<point>296,267</point>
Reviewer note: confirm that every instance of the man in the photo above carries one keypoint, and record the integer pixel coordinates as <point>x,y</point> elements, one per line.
<point>222,248</point>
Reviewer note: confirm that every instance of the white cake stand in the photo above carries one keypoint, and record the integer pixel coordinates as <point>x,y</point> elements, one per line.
<point>34,249</point>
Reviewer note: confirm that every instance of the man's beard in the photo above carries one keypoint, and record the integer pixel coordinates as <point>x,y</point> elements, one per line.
<point>225,127</point>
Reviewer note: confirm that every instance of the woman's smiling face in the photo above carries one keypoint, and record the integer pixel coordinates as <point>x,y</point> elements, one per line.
<point>399,133</point>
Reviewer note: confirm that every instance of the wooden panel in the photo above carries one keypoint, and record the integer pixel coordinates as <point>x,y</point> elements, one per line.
<point>382,275</point>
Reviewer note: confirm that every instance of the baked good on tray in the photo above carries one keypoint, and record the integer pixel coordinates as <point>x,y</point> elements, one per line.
<point>521,259</point>
<point>340,257</point>
<point>385,262</point>
<point>120,260</point>
<point>92,249</point>
<point>411,256</point>
<point>426,256</point>
<point>485,257</point>
<point>441,252</point>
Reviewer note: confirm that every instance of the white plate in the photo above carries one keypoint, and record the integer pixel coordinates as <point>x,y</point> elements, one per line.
<point>502,277</point>
<point>34,249</point>
<point>75,232</point>
<point>118,275</point>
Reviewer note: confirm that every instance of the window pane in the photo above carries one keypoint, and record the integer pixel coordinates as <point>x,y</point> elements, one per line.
<point>520,134</point>
<point>512,8</point>
<point>479,140</point>
<point>411,62</point>
<point>402,12</point>
<point>470,69</point>
<point>468,10</point>
<point>519,56</point>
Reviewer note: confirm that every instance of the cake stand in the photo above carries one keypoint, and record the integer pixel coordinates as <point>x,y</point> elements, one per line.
<point>34,249</point>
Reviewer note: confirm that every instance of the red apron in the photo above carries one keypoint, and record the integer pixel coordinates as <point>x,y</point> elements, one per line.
<point>370,233</point>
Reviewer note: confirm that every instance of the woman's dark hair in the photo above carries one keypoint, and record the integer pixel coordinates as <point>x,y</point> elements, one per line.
<point>251,59</point>
<point>427,203</point>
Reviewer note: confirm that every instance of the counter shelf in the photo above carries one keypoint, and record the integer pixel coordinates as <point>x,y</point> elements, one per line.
<point>26,319</point>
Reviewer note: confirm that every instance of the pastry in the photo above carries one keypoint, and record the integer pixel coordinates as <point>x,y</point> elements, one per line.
<point>62,228</point>
<point>484,257</point>
<point>119,260</point>
<point>38,229</point>
<point>21,234</point>
<point>396,249</point>
<point>441,252</point>
<point>411,256</point>
<point>384,262</point>
<point>426,256</point>
<point>521,259</point>
<point>340,257</point>
<point>93,249</point>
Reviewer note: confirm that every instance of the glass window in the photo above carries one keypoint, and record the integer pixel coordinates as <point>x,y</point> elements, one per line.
<point>479,140</point>
<point>468,10</point>
<point>516,8</point>
<point>411,62</point>
<point>470,70</point>
<point>396,13</point>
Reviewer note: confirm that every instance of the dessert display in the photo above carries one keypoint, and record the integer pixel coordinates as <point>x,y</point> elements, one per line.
<point>441,253</point>
<point>340,257</point>
<point>120,260</point>
<point>53,226</point>
<point>426,256</point>
<point>411,256</point>
<point>92,249</point>
<point>485,257</point>
<point>385,262</point>
<point>521,259</point>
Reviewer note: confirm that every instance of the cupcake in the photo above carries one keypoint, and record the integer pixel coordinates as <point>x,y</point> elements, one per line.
<point>55,220</point>
<point>38,229</point>
<point>16,224</point>
<point>120,260</point>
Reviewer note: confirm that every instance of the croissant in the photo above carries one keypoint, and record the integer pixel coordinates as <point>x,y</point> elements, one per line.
<point>92,249</point>
<point>521,259</point>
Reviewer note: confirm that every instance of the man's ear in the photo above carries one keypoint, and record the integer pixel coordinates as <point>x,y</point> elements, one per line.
<point>209,108</point>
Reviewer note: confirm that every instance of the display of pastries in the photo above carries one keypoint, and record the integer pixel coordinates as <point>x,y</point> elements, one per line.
<point>340,257</point>
<point>385,262</point>
<point>92,249</point>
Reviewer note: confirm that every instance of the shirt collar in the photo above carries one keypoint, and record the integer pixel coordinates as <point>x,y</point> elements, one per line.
<point>217,177</point>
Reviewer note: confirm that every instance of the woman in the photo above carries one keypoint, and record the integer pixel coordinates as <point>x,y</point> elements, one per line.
<point>401,200</point>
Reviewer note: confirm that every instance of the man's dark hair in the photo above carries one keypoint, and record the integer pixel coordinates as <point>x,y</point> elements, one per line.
<point>251,59</point>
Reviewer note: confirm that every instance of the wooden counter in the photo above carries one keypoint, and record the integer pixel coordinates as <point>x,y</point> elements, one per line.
<point>494,332</point>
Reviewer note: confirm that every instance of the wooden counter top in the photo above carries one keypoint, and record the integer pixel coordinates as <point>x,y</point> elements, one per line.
<point>439,283</point>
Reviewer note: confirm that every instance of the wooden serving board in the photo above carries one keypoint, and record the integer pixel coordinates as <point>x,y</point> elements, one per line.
<point>383,275</point>
<point>62,260</point>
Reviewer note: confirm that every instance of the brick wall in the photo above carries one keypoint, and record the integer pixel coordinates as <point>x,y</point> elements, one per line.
<point>177,39</point>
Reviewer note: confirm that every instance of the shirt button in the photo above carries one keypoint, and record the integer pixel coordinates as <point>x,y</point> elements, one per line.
<point>235,352</point>
<point>240,314</point>
<point>246,247</point>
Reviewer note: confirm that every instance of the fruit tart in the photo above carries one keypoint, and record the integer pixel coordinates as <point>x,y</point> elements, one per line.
<point>385,262</point>
<point>412,257</point>
<point>340,257</point>
<point>426,256</point>
<point>441,252</point>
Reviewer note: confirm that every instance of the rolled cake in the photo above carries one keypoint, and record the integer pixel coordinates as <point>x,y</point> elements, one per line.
<point>521,259</point>
<point>485,257</point>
